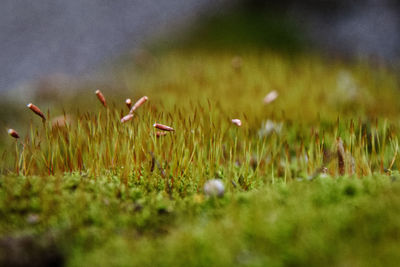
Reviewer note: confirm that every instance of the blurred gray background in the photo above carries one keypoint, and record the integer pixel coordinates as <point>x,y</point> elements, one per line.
<point>45,37</point>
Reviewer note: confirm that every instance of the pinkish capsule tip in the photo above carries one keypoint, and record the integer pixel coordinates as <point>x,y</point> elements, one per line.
<point>128,103</point>
<point>270,97</point>
<point>138,103</point>
<point>13,133</point>
<point>36,110</point>
<point>237,122</point>
<point>163,127</point>
<point>101,98</point>
<point>126,118</point>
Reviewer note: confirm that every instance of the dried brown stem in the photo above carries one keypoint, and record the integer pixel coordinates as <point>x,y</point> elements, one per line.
<point>341,156</point>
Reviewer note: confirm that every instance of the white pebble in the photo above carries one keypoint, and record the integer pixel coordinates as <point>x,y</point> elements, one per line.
<point>214,187</point>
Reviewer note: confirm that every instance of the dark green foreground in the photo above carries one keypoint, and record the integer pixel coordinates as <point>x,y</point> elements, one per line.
<point>80,222</point>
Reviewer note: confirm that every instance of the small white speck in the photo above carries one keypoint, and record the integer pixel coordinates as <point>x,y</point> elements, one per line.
<point>214,187</point>
<point>237,122</point>
<point>270,97</point>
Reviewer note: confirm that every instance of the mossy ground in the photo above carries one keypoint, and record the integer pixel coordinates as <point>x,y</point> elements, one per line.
<point>101,193</point>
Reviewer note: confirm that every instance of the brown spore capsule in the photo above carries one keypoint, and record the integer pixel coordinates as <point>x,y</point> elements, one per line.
<point>138,103</point>
<point>13,133</point>
<point>101,97</point>
<point>36,110</point>
<point>163,127</point>
<point>126,118</point>
<point>128,103</point>
<point>159,134</point>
